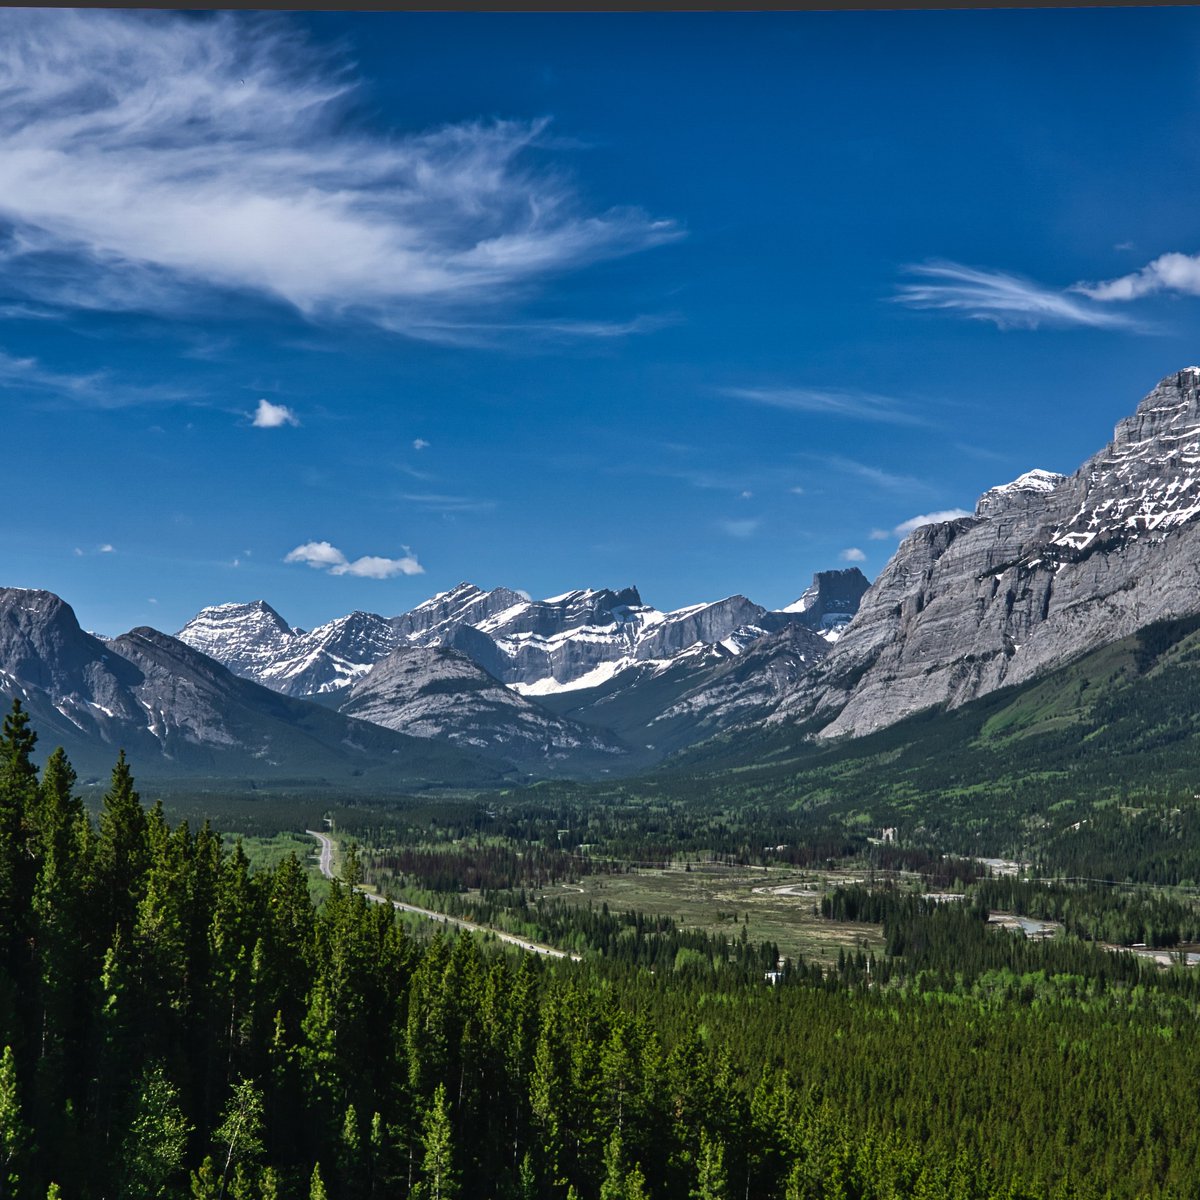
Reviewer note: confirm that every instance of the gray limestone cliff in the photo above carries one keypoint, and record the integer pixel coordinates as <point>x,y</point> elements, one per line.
<point>1046,569</point>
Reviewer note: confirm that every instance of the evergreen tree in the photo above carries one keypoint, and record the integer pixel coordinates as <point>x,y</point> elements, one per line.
<point>122,854</point>
<point>316,1187</point>
<point>439,1179</point>
<point>13,1132</point>
<point>711,1182</point>
<point>18,801</point>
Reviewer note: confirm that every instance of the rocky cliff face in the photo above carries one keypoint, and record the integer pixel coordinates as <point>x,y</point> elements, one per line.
<point>1047,569</point>
<point>433,621</point>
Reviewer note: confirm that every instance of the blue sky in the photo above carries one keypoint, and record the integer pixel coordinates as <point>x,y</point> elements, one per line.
<point>338,310</point>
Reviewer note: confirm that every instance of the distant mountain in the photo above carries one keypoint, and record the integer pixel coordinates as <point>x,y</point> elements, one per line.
<point>254,641</point>
<point>830,602</point>
<point>580,639</point>
<point>439,693</point>
<point>659,707</point>
<point>180,714</point>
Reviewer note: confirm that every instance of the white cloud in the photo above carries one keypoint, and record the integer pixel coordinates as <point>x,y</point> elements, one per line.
<point>372,566</point>
<point>852,554</point>
<point>106,548</point>
<point>78,552</point>
<point>740,529</point>
<point>1006,300</point>
<point>746,495</point>
<point>152,600</point>
<point>858,406</point>
<point>1167,273</point>
<point>879,535</point>
<point>219,152</point>
<point>325,557</point>
<point>933,518</point>
<point>420,444</point>
<point>273,416</point>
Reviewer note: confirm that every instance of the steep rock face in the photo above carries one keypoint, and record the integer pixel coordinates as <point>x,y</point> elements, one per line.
<point>439,693</point>
<point>434,620</point>
<point>1047,569</point>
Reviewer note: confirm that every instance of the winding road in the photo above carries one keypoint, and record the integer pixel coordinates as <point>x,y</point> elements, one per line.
<point>325,863</point>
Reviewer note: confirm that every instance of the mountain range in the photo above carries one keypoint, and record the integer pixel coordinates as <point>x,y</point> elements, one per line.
<point>477,687</point>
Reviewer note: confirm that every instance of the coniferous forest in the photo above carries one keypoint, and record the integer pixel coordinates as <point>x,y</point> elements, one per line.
<point>175,1023</point>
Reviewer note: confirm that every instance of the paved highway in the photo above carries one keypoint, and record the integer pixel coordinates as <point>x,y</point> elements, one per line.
<point>326,865</point>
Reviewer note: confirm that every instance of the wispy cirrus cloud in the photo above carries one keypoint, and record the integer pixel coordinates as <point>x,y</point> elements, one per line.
<point>217,154</point>
<point>887,480</point>
<point>855,405</point>
<point>1168,273</point>
<point>96,389</point>
<point>322,556</point>
<point>1009,301</point>
<point>443,503</point>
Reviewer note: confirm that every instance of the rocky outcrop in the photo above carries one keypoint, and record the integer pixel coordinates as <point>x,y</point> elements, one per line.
<point>830,601</point>
<point>1048,568</point>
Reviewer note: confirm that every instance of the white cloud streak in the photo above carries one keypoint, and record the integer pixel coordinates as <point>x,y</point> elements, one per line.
<point>217,152</point>
<point>852,554</point>
<point>1008,301</point>
<point>1168,273</point>
<point>323,556</point>
<point>857,406</point>
<point>273,416</point>
<point>95,390</point>
<point>887,480</point>
<point>934,518</point>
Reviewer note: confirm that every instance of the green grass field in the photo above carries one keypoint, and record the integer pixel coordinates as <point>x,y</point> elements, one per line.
<point>782,906</point>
